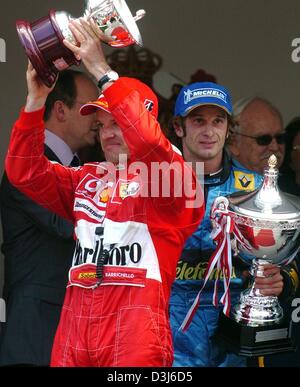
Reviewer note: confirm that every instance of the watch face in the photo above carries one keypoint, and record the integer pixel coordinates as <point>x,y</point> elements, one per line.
<point>112,75</point>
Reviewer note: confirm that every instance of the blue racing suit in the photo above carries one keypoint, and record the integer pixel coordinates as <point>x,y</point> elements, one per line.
<point>194,347</point>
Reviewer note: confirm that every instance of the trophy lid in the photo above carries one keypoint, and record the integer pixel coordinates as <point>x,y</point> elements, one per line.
<point>267,203</point>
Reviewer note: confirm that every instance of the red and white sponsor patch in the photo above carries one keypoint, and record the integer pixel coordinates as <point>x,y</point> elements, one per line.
<point>85,276</point>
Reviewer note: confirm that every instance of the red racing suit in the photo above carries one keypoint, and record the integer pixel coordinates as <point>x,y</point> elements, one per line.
<point>122,320</point>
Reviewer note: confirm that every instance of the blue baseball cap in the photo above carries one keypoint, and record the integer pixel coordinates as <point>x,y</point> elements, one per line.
<point>202,93</point>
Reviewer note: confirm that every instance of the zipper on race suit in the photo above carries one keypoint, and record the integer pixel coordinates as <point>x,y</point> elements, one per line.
<point>103,257</point>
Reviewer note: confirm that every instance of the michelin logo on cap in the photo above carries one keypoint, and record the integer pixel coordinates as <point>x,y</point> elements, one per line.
<point>202,93</point>
<point>189,95</point>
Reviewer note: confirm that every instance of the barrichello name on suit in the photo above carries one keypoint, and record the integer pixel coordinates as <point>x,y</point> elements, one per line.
<point>121,265</point>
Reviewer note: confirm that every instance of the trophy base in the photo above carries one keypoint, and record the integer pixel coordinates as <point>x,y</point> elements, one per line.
<point>254,341</point>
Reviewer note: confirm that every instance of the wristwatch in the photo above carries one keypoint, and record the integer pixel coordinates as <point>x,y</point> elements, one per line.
<point>110,76</point>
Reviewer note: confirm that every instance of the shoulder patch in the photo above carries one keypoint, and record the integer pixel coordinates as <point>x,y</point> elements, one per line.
<point>244,181</point>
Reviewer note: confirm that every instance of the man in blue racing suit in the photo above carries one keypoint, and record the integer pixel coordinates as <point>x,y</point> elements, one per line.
<point>203,117</point>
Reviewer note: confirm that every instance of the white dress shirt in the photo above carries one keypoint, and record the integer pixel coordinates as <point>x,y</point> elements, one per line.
<point>59,147</point>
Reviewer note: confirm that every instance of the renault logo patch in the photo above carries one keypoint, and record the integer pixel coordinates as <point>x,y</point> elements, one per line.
<point>244,181</point>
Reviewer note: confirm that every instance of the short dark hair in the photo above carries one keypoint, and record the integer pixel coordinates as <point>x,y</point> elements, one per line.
<point>65,90</point>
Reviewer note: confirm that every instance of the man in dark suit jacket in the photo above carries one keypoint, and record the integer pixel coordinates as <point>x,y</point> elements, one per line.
<point>38,245</point>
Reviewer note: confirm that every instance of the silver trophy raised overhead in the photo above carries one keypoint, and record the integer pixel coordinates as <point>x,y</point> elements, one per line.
<point>43,39</point>
<point>264,228</point>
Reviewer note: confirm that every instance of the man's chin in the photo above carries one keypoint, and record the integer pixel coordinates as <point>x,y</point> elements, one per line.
<point>112,157</point>
<point>208,155</point>
<point>91,141</point>
<point>115,154</point>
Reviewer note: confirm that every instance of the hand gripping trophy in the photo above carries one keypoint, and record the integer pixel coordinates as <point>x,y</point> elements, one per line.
<point>262,227</point>
<point>43,39</point>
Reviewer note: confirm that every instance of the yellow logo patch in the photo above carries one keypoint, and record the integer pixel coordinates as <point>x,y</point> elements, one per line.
<point>123,190</point>
<point>244,181</point>
<point>128,189</point>
<point>86,275</point>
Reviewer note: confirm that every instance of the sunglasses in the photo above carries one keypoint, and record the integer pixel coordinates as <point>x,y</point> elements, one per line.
<point>265,139</point>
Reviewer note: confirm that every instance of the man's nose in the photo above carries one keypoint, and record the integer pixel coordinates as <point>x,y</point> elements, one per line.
<point>106,133</point>
<point>273,146</point>
<point>209,130</point>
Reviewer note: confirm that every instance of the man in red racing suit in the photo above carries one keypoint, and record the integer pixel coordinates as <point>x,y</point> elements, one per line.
<point>115,311</point>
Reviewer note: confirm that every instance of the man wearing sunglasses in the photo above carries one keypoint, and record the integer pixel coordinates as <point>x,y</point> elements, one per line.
<point>258,134</point>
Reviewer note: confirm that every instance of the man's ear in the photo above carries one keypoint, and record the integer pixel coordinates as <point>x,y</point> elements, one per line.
<point>59,109</point>
<point>232,144</point>
<point>178,128</point>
